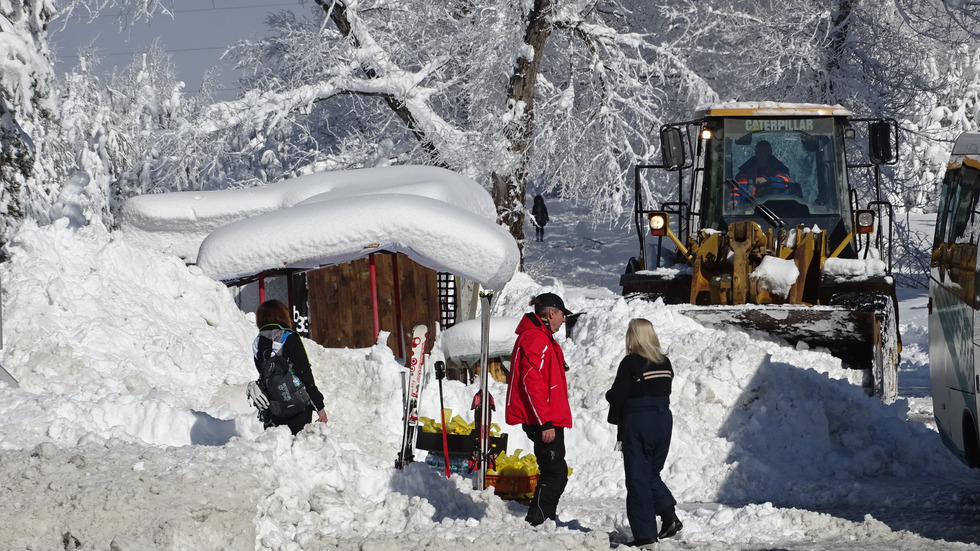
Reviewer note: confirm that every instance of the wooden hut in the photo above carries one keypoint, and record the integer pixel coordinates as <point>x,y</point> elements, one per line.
<point>353,252</point>
<point>350,304</point>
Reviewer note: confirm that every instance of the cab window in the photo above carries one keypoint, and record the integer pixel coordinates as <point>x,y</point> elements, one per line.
<point>791,162</point>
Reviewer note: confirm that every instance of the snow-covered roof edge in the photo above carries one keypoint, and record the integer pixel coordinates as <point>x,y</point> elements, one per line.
<point>178,222</point>
<point>322,233</point>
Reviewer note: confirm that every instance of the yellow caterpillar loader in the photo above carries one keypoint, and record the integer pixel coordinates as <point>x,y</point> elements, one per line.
<point>765,232</point>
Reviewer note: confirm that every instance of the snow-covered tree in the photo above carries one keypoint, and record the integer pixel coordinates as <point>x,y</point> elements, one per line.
<point>505,92</point>
<point>562,96</point>
<point>29,155</point>
<point>125,131</point>
<point>27,104</point>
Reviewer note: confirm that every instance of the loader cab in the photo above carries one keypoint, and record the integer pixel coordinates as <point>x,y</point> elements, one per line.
<point>810,183</point>
<point>764,231</point>
<point>779,171</point>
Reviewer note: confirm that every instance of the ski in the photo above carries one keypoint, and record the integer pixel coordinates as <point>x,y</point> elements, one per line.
<point>410,419</point>
<point>483,460</point>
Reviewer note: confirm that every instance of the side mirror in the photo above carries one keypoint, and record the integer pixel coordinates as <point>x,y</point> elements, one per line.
<point>672,148</point>
<point>880,143</point>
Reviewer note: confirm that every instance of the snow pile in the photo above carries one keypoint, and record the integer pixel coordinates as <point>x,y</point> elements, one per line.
<point>776,275</point>
<point>126,358</point>
<point>157,219</point>
<point>853,268</point>
<point>120,329</point>
<point>322,233</point>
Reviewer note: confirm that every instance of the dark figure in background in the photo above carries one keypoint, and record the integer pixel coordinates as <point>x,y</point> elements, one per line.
<point>537,399</point>
<point>539,214</point>
<point>273,320</point>
<point>639,403</point>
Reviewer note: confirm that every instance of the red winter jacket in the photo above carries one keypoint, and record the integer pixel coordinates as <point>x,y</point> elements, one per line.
<point>537,393</point>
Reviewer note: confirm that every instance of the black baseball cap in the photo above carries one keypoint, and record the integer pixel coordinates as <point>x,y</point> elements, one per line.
<point>553,300</point>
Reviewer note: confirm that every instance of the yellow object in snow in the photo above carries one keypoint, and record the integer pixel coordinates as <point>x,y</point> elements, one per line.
<point>516,465</point>
<point>455,425</point>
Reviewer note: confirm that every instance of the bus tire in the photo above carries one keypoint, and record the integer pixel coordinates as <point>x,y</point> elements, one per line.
<point>971,446</point>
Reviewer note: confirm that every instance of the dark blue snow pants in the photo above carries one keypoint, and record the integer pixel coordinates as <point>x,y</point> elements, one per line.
<point>647,426</point>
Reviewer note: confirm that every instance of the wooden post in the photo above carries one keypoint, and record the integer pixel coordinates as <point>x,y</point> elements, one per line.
<point>289,298</point>
<point>398,307</point>
<point>372,270</point>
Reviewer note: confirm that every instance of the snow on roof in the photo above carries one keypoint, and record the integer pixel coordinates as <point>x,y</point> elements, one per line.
<point>437,217</point>
<point>967,143</point>
<point>464,341</point>
<point>770,108</point>
<point>966,151</point>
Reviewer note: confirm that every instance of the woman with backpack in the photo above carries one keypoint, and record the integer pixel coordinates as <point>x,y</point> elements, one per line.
<point>639,404</point>
<point>276,339</point>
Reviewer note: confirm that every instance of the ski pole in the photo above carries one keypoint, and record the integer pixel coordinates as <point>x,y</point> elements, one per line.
<point>440,375</point>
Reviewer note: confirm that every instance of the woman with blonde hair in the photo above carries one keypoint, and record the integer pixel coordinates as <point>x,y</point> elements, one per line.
<point>639,403</point>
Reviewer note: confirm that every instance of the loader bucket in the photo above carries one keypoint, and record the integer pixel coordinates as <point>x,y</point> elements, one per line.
<point>861,339</point>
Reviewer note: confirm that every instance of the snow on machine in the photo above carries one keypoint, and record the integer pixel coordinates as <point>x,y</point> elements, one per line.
<point>765,232</point>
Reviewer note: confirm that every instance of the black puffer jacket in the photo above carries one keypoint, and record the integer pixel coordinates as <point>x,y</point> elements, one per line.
<point>636,377</point>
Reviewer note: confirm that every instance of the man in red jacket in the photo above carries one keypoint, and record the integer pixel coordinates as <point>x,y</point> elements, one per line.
<point>537,399</point>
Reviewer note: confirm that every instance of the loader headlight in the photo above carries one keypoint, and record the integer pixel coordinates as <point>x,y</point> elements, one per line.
<point>865,221</point>
<point>706,134</point>
<point>658,223</point>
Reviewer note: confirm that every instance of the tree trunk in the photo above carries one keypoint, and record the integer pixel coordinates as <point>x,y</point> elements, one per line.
<point>510,187</point>
<point>841,19</point>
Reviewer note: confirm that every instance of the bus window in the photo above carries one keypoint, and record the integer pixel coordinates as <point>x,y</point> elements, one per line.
<point>946,202</point>
<point>963,225</point>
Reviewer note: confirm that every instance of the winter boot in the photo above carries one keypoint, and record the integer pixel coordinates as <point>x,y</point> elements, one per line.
<point>669,525</point>
<point>543,505</point>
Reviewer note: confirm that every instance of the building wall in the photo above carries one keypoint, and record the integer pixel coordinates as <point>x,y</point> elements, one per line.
<point>340,302</point>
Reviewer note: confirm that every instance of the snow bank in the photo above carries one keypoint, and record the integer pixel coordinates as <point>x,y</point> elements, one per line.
<point>130,429</point>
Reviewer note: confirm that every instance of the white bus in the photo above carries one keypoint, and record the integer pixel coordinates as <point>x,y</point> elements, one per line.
<point>954,323</point>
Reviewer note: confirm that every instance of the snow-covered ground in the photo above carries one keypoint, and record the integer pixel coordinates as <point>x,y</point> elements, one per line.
<point>130,428</point>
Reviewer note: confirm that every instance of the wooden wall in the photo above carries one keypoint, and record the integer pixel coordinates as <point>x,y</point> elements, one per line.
<point>340,302</point>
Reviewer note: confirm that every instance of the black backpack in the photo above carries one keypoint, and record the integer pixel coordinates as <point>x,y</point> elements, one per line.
<point>287,394</point>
